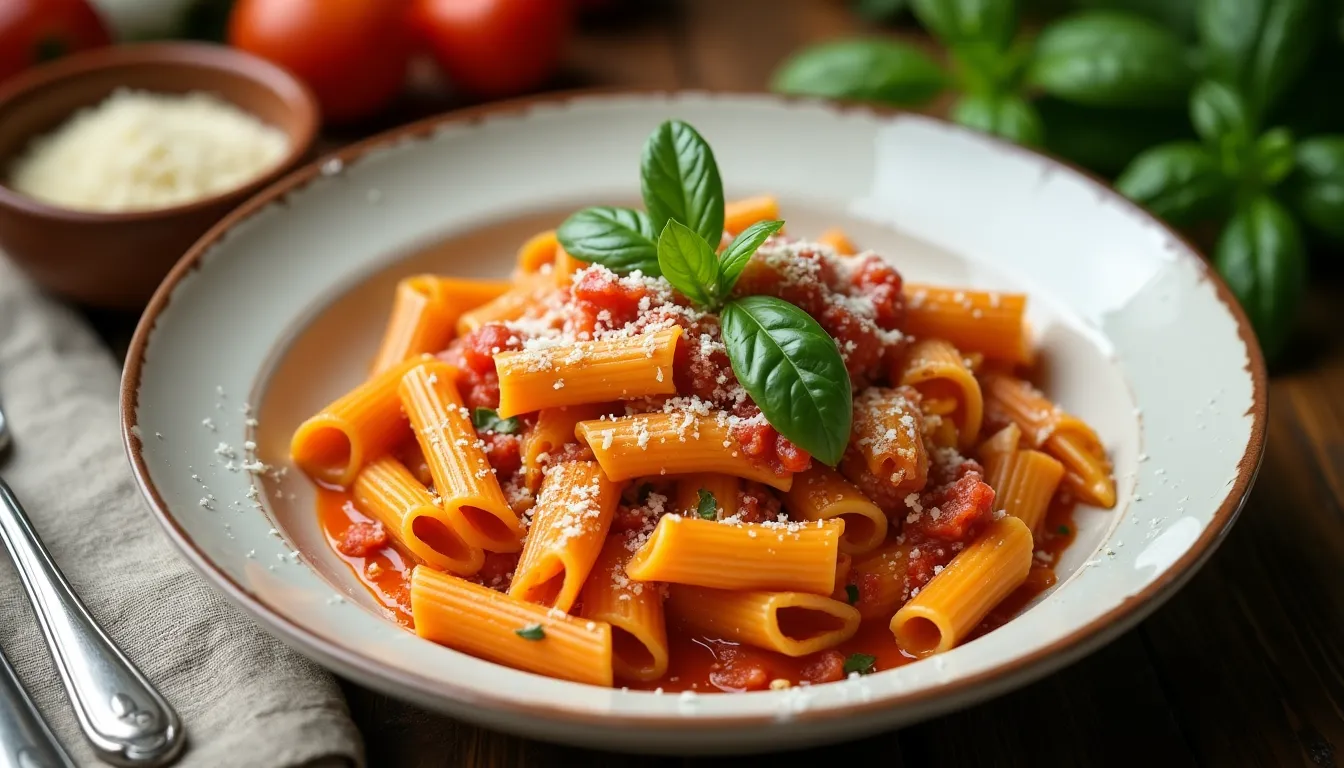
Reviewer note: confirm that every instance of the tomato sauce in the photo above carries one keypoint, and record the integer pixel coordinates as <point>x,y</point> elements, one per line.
<point>705,664</point>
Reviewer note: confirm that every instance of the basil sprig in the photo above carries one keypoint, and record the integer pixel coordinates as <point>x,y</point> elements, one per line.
<point>788,364</point>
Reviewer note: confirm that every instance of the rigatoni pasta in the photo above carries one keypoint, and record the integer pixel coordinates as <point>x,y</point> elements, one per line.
<point>569,526</point>
<point>465,481</point>
<point>633,609</point>
<point>780,556</point>
<point>563,473</point>
<point>485,623</point>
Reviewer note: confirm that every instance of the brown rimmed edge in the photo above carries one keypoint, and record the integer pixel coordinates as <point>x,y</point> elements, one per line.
<point>369,669</point>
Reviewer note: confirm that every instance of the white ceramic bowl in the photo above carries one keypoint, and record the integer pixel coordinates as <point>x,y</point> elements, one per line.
<point>281,305</point>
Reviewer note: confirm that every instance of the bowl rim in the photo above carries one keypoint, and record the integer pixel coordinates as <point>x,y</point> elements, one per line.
<point>219,58</point>
<point>369,669</point>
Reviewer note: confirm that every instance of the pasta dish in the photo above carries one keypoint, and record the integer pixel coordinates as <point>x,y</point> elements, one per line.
<point>684,449</point>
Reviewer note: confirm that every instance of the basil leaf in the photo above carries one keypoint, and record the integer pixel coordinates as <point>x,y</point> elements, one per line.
<point>968,21</point>
<point>1260,256</point>
<point>1005,115</point>
<point>1111,59</point>
<point>1257,46</point>
<point>864,70</point>
<point>1106,139</point>
<point>707,508</point>
<point>487,420</point>
<point>859,662</point>
<point>680,180</point>
<point>1217,111</point>
<point>851,594</point>
<point>620,239</point>
<point>1272,157</point>
<point>793,371</point>
<point>688,263</point>
<point>1317,188</point>
<point>735,257</point>
<point>1180,182</point>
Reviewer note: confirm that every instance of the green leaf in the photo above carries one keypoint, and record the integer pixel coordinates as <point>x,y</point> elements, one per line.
<point>620,239</point>
<point>1176,15</point>
<point>1180,182</point>
<point>864,70</point>
<point>1062,530</point>
<point>879,10</point>
<point>487,420</point>
<point>968,21</point>
<point>1217,112</point>
<point>680,180</point>
<point>707,508</point>
<point>1111,59</point>
<point>1006,115</point>
<point>1258,47</point>
<point>859,662</point>
<point>1317,188</point>
<point>1106,139</point>
<point>1272,157</point>
<point>793,371</point>
<point>735,257</point>
<point>851,594</point>
<point>1260,256</point>
<point>531,632</point>
<point>688,263</point>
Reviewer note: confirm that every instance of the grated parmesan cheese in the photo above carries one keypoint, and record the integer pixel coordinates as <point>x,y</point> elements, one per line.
<point>139,151</point>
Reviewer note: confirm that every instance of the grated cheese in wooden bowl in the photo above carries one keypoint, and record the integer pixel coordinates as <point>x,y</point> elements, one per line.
<point>143,151</point>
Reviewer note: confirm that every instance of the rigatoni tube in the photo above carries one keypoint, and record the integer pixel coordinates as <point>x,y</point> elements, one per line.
<point>791,623</point>
<point>586,372</point>
<point>954,601</point>
<point>757,556</point>
<point>478,620</point>
<point>634,610</point>
<point>569,526</point>
<point>463,477</point>
<point>386,491</point>
<point>672,444</point>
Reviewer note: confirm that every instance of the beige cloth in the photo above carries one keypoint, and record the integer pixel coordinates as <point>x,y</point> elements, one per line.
<point>246,699</point>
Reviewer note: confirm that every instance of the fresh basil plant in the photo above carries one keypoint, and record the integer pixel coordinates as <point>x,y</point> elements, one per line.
<point>1242,174</point>
<point>788,364</point>
<point>1096,58</point>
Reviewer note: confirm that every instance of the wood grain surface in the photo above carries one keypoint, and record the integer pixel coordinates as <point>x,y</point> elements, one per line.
<point>1244,667</point>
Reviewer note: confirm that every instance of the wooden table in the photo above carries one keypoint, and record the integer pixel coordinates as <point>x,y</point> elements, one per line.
<point>1245,666</point>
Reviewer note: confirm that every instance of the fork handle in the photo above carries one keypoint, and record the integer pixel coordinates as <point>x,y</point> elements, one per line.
<point>122,715</point>
<point>25,740</point>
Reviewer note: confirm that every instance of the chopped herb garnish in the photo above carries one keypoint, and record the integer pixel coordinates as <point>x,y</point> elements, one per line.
<point>644,490</point>
<point>707,508</point>
<point>859,662</point>
<point>487,420</point>
<point>531,632</point>
<point>851,593</point>
<point>1062,530</point>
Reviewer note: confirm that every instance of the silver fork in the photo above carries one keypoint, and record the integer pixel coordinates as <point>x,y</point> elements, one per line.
<point>124,718</point>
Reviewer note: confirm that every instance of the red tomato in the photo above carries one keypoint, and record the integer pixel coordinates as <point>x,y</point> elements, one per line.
<point>494,48</point>
<point>352,53</point>
<point>33,31</point>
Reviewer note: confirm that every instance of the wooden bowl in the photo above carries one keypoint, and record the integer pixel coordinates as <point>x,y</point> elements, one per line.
<point>117,259</point>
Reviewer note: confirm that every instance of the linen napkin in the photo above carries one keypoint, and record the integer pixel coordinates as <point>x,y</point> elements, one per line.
<point>245,699</point>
